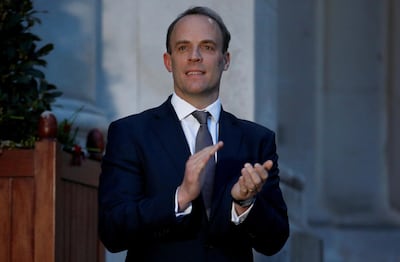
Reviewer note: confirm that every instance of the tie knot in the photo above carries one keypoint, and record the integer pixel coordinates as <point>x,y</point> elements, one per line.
<point>201,116</point>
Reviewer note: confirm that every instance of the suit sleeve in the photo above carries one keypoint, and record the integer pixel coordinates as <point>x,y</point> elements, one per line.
<point>126,214</point>
<point>267,223</point>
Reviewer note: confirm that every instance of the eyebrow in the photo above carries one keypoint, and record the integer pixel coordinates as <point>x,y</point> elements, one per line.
<point>206,41</point>
<point>180,42</point>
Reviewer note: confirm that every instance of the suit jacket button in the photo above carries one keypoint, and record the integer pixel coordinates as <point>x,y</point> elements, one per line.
<point>209,245</point>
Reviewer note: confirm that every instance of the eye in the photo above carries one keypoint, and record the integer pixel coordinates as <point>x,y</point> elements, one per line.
<point>182,48</point>
<point>208,47</point>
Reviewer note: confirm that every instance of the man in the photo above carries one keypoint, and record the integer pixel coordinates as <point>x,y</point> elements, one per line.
<point>151,196</point>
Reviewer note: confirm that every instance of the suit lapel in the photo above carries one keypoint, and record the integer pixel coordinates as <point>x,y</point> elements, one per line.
<point>168,131</point>
<point>232,136</point>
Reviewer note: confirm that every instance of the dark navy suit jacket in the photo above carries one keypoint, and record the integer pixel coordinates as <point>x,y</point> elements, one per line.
<point>144,164</point>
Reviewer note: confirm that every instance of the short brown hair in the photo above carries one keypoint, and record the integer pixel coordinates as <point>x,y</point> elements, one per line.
<point>201,10</point>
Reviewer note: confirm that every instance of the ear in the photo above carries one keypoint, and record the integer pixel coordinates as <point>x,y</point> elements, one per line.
<point>167,62</point>
<point>227,60</point>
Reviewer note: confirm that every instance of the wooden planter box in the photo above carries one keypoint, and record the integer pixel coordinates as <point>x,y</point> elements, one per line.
<point>48,208</point>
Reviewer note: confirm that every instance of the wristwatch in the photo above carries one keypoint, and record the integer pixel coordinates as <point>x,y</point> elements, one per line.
<point>244,203</point>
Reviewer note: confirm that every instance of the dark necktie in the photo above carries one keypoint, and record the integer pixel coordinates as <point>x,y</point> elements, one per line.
<point>204,139</point>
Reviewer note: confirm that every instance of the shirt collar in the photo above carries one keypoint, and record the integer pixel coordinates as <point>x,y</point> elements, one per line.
<point>183,109</point>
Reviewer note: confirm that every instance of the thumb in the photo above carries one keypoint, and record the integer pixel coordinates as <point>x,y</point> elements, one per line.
<point>268,164</point>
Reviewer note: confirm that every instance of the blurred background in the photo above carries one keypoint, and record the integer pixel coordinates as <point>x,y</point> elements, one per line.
<point>324,74</point>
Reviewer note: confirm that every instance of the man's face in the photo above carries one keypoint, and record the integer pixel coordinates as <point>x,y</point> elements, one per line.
<point>196,60</point>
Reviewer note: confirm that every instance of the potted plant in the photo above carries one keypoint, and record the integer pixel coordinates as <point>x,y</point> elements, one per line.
<point>24,91</point>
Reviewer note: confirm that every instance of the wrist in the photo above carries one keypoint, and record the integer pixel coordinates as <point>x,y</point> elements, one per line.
<point>182,199</point>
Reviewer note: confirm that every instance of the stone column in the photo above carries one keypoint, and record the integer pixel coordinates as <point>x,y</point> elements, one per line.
<point>351,104</point>
<point>393,96</point>
<point>353,210</point>
<point>265,54</point>
<point>294,105</point>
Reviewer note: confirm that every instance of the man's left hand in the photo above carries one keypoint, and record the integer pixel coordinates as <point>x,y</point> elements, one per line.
<point>251,181</point>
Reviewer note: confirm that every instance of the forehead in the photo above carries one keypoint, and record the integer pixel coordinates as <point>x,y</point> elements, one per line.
<point>196,26</point>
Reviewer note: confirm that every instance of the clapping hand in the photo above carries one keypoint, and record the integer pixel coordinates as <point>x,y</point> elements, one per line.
<point>251,181</point>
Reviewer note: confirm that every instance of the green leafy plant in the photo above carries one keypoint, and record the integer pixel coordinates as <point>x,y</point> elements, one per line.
<point>66,134</point>
<point>24,91</point>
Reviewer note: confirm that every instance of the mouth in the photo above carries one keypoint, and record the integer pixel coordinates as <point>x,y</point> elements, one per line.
<point>194,73</point>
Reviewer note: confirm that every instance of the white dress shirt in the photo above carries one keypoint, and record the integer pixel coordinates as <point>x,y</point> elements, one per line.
<point>190,127</point>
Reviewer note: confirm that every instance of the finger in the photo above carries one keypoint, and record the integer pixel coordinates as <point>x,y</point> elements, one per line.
<point>209,150</point>
<point>268,165</point>
<point>205,154</point>
<point>255,173</point>
<point>216,147</point>
<point>198,161</point>
<point>261,171</point>
<point>251,177</point>
<point>256,177</point>
<point>242,185</point>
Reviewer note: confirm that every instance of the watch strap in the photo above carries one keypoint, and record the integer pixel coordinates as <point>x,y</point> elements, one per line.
<point>245,202</point>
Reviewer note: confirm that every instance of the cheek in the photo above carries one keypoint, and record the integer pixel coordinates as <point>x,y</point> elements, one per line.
<point>176,64</point>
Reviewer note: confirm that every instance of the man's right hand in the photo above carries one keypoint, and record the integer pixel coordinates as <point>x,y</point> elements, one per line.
<point>192,180</point>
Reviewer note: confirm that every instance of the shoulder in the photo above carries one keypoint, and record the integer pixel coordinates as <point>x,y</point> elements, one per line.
<point>143,118</point>
<point>246,126</point>
<point>135,118</point>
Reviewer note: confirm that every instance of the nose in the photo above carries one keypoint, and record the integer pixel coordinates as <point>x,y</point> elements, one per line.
<point>195,55</point>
